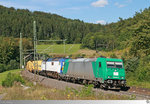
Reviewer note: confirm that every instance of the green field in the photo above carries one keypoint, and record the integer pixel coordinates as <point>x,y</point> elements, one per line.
<point>4,74</point>
<point>58,49</point>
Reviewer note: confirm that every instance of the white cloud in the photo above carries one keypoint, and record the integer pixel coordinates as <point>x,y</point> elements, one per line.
<point>101,22</point>
<point>100,3</point>
<point>119,5</point>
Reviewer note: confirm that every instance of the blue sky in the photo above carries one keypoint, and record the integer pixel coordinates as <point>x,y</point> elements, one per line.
<point>92,11</point>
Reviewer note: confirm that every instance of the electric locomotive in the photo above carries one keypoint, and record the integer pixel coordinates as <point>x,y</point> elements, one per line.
<point>103,72</point>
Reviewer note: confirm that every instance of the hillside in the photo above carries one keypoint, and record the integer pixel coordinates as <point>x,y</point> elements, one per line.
<point>52,26</point>
<point>49,26</point>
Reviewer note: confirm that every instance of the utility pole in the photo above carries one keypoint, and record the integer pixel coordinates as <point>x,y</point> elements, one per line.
<point>20,50</point>
<point>64,46</point>
<point>34,33</point>
<point>35,42</point>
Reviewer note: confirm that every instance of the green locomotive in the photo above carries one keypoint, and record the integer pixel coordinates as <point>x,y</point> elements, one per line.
<point>103,72</point>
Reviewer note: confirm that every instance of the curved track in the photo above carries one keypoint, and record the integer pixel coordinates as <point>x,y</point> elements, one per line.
<point>141,94</point>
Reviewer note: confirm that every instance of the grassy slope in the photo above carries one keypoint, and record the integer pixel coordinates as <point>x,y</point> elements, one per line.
<point>38,92</point>
<point>132,82</point>
<point>4,74</point>
<point>59,49</point>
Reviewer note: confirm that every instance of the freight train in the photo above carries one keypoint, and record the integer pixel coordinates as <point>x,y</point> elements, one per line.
<point>101,72</point>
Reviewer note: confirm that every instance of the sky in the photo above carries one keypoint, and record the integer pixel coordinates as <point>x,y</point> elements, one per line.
<point>91,11</point>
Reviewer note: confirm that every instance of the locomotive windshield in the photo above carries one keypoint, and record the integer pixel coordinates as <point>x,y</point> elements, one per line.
<point>114,64</point>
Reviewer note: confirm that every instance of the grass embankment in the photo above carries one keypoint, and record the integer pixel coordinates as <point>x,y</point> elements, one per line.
<point>58,49</point>
<point>38,92</point>
<point>138,84</point>
<point>4,74</point>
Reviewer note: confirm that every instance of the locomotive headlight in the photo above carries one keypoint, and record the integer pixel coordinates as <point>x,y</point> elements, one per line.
<point>122,77</point>
<point>123,82</point>
<point>109,76</point>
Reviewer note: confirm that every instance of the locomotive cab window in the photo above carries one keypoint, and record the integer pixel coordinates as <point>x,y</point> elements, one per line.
<point>99,64</point>
<point>52,63</point>
<point>114,64</point>
<point>119,64</point>
<point>110,64</point>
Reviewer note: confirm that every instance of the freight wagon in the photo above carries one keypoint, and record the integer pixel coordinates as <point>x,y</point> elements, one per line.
<point>52,67</point>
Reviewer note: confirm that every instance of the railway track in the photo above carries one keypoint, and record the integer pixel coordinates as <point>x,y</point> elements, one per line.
<point>140,94</point>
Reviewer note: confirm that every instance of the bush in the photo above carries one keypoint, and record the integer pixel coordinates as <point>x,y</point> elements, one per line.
<point>113,55</point>
<point>11,78</point>
<point>83,55</point>
<point>78,55</point>
<point>2,68</point>
<point>143,71</point>
<point>87,91</point>
<point>70,55</point>
<point>131,64</point>
<point>8,67</point>
<point>14,64</point>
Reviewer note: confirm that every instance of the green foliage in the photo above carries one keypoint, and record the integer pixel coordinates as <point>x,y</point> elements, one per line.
<point>49,26</point>
<point>70,55</point>
<point>3,75</point>
<point>83,55</point>
<point>85,91</point>
<point>113,55</point>
<point>138,68</point>
<point>9,52</point>
<point>131,64</point>
<point>14,64</point>
<point>2,68</point>
<point>140,45</point>
<point>143,71</point>
<point>133,97</point>
<point>134,82</point>
<point>99,41</point>
<point>11,78</point>
<point>78,56</point>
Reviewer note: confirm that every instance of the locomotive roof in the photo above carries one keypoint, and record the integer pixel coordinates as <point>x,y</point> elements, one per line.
<point>94,59</point>
<point>113,59</point>
<point>83,60</point>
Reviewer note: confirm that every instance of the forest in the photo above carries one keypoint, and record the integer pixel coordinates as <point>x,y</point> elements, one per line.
<point>132,34</point>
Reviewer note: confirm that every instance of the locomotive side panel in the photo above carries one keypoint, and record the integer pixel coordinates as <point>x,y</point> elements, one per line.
<point>81,70</point>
